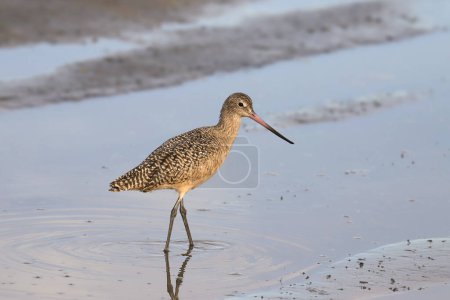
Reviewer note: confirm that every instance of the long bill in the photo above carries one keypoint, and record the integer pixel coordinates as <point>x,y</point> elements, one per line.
<point>257,119</point>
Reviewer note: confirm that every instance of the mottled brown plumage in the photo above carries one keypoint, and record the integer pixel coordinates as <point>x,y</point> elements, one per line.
<point>189,159</point>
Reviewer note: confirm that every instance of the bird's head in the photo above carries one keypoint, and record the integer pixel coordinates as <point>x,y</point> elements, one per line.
<point>239,104</point>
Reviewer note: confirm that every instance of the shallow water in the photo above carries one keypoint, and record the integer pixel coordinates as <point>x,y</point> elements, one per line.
<point>219,16</point>
<point>39,59</point>
<point>343,188</point>
<point>28,61</point>
<point>399,268</point>
<point>115,252</point>
<point>212,49</point>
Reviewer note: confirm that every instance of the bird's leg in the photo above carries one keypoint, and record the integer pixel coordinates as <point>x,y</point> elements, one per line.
<point>183,212</point>
<point>173,214</point>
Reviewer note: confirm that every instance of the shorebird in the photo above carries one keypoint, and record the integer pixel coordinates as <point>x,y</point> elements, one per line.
<point>187,160</point>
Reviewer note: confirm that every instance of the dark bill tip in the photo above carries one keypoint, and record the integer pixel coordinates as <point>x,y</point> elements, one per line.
<point>257,119</point>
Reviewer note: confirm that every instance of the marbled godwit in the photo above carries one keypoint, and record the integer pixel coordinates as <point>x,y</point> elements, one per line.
<point>189,159</point>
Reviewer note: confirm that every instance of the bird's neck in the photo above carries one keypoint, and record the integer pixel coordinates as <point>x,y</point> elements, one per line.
<point>228,125</point>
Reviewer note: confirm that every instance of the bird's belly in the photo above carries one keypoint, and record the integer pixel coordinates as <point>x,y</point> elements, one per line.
<point>192,182</point>
<point>205,173</point>
<point>200,173</point>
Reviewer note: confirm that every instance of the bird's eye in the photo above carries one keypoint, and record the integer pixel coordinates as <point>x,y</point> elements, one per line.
<point>241,104</point>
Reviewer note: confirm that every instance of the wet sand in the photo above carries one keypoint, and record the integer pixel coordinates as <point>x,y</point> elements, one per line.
<point>407,268</point>
<point>192,52</point>
<point>349,186</point>
<point>25,22</point>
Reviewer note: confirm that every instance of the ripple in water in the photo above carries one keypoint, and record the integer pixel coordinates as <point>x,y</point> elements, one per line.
<point>47,253</point>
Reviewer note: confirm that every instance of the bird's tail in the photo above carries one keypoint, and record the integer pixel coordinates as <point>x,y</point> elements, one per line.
<point>132,180</point>
<point>119,185</point>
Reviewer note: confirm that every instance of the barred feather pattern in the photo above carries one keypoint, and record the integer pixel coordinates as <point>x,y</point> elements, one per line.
<point>189,159</point>
<point>186,158</point>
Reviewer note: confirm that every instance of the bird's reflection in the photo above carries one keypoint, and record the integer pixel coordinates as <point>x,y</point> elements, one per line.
<point>174,294</point>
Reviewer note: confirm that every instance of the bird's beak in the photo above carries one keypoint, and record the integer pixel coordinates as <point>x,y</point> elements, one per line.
<point>257,119</point>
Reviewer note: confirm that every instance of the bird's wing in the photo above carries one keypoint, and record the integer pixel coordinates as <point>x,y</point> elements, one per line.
<point>179,159</point>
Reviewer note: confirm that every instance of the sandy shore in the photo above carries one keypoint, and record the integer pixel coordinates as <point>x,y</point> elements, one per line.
<point>191,53</point>
<point>25,22</point>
